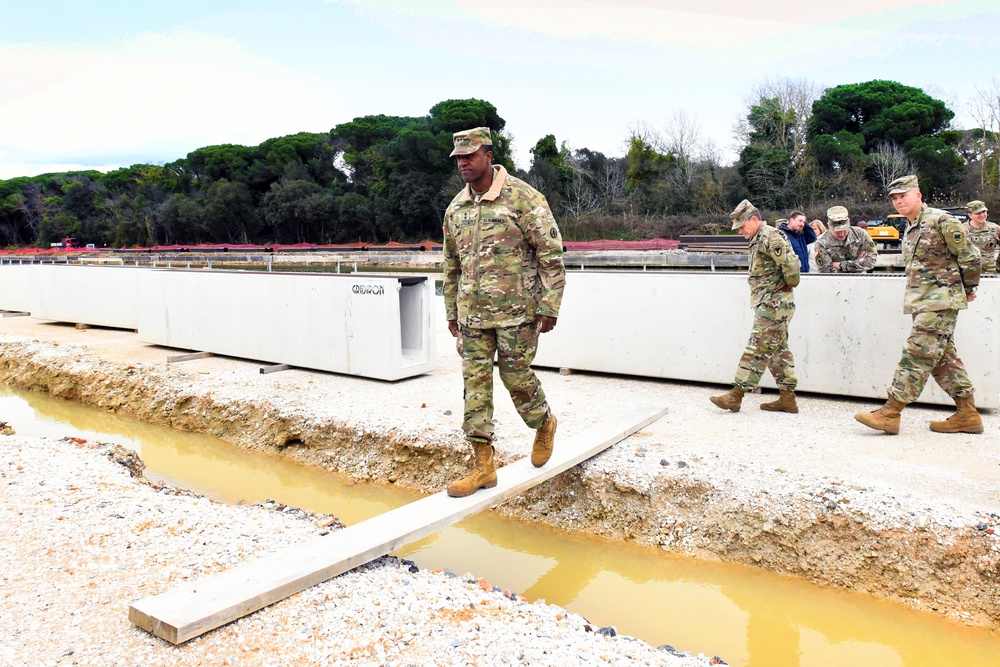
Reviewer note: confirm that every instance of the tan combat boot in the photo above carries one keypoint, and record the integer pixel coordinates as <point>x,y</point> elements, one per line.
<point>785,403</point>
<point>965,420</point>
<point>731,400</point>
<point>885,418</point>
<point>545,437</point>
<point>483,475</point>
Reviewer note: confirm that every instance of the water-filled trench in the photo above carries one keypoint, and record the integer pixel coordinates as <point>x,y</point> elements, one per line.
<point>744,615</point>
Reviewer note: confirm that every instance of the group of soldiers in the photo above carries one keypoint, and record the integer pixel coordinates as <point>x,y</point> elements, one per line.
<point>944,261</point>
<point>504,279</point>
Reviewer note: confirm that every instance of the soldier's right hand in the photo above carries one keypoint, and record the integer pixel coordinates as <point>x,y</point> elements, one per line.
<point>453,327</point>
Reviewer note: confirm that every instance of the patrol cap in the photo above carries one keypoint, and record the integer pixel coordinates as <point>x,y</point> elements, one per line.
<point>780,221</point>
<point>902,184</point>
<point>975,206</point>
<point>742,213</point>
<point>469,141</point>
<point>838,218</point>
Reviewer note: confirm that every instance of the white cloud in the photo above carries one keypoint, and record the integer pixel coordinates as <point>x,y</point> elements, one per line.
<point>152,93</point>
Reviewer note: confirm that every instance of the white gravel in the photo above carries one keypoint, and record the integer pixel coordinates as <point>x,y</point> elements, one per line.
<point>83,540</point>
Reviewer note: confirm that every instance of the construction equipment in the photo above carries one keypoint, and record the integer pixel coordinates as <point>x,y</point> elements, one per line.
<point>888,233</point>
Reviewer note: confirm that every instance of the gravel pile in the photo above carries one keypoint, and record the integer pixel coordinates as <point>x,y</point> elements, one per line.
<point>84,539</point>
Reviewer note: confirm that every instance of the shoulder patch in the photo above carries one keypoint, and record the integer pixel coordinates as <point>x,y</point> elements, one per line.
<point>552,232</point>
<point>958,236</point>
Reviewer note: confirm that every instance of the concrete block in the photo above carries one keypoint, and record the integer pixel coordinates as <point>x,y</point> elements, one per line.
<point>847,333</point>
<point>371,326</point>
<point>95,295</point>
<point>15,286</point>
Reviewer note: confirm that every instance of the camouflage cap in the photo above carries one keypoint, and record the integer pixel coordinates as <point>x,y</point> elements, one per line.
<point>976,206</point>
<point>838,218</point>
<point>780,221</point>
<point>469,141</point>
<point>742,213</point>
<point>902,184</point>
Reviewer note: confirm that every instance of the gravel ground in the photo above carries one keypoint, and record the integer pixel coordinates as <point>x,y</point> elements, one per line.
<point>751,487</point>
<point>84,539</point>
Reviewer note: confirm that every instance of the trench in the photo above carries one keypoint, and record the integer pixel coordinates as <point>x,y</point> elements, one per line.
<point>745,615</point>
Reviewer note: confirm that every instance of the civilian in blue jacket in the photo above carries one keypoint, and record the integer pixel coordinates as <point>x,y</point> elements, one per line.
<point>800,235</point>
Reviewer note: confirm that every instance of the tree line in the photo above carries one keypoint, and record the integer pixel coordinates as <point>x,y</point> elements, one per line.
<point>389,178</point>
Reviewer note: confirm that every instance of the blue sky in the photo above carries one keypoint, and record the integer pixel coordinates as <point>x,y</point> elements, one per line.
<point>106,83</point>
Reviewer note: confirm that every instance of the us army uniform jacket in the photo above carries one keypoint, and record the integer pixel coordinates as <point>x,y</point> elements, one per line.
<point>941,263</point>
<point>502,256</point>
<point>987,239</point>
<point>847,252</point>
<point>774,267</point>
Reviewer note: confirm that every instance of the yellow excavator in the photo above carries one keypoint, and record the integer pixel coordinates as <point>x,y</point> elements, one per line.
<point>888,233</point>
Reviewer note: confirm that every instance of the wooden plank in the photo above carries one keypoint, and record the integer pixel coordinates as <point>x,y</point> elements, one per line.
<point>196,607</point>
<point>188,357</point>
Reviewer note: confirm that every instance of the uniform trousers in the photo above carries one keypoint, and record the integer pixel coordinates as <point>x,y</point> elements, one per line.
<point>930,350</point>
<point>768,345</point>
<point>515,349</point>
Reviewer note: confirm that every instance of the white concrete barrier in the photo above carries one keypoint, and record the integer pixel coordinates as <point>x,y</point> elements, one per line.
<point>15,286</point>
<point>847,333</point>
<point>372,326</point>
<point>99,295</point>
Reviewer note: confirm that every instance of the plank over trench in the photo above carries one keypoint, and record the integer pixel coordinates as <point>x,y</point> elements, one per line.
<point>202,605</point>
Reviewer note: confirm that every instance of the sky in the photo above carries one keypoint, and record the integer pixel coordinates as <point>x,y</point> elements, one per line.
<point>109,83</point>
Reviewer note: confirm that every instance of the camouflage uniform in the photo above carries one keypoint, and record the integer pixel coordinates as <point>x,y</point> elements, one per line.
<point>848,252</point>
<point>774,271</point>
<point>502,268</point>
<point>941,267</point>
<point>987,239</point>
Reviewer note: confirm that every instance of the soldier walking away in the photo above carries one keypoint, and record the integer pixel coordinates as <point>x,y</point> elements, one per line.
<point>774,271</point>
<point>503,284</point>
<point>985,235</point>
<point>942,274</point>
<point>844,249</point>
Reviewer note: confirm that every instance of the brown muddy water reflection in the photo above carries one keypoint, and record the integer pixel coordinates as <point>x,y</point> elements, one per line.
<point>744,615</point>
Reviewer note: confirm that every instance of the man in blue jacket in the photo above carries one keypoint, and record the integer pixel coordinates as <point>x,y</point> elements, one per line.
<point>800,235</point>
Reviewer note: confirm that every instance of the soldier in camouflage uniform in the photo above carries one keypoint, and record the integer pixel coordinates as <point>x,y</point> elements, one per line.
<point>774,271</point>
<point>942,274</point>
<point>843,248</point>
<point>985,235</point>
<point>503,284</point>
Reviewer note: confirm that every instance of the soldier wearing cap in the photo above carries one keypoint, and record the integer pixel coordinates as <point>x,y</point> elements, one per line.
<point>844,249</point>
<point>774,271</point>
<point>942,274</point>
<point>503,284</point>
<point>985,235</point>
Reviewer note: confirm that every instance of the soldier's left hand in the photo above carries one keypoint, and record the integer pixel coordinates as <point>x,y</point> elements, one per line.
<point>544,323</point>
<point>970,297</point>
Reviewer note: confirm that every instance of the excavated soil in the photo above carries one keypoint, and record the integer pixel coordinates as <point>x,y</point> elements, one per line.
<point>911,519</point>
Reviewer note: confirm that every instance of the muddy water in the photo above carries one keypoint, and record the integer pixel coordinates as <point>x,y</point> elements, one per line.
<point>746,616</point>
